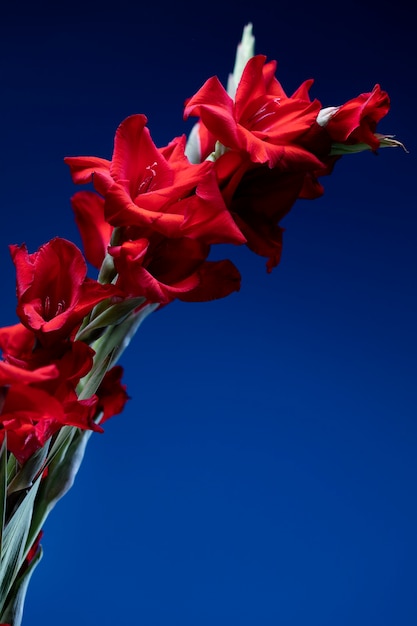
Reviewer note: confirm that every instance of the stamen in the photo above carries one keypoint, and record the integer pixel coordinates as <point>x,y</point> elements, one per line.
<point>60,308</point>
<point>145,185</point>
<point>263,112</point>
<point>47,312</point>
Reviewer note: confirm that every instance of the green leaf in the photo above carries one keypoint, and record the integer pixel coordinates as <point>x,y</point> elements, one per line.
<point>60,478</point>
<point>14,547</point>
<point>109,347</point>
<point>60,443</point>
<point>13,610</point>
<point>3,486</point>
<point>54,460</point>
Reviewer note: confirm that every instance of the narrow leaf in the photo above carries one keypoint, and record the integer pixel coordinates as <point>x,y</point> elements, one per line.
<point>59,480</point>
<point>12,468</point>
<point>92,381</point>
<point>61,443</point>
<point>13,611</point>
<point>3,486</point>
<point>14,543</point>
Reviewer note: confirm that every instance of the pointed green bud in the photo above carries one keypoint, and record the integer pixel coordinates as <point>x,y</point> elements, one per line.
<point>385,141</point>
<point>245,51</point>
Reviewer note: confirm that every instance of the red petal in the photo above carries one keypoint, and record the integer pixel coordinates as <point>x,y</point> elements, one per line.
<point>83,168</point>
<point>137,162</point>
<point>112,393</point>
<point>216,109</point>
<point>356,120</point>
<point>217,279</point>
<point>10,374</point>
<point>95,231</point>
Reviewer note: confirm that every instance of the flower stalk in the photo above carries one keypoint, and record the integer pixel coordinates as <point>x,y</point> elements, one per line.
<point>148,222</point>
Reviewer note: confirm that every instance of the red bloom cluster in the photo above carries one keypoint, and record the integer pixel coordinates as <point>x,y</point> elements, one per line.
<point>42,362</point>
<point>275,146</point>
<point>257,154</point>
<point>151,220</point>
<point>167,212</point>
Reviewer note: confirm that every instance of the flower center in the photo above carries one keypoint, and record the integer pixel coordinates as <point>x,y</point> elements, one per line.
<point>146,183</point>
<point>268,109</point>
<point>48,309</point>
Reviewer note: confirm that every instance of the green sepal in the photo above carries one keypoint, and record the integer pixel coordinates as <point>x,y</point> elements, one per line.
<point>385,141</point>
<point>111,316</point>
<point>117,338</point>
<point>107,271</point>
<point>29,471</point>
<point>109,347</point>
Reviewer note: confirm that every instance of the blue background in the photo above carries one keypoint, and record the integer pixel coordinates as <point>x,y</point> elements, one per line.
<point>264,472</point>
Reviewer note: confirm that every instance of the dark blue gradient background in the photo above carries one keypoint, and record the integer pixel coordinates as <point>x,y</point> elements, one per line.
<point>264,471</point>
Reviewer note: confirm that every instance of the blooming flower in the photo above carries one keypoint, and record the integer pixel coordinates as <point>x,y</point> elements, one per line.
<point>112,395</point>
<point>262,121</point>
<point>262,198</point>
<point>31,416</point>
<point>356,120</point>
<point>37,403</point>
<point>148,227</point>
<point>163,269</point>
<point>158,190</point>
<point>53,291</point>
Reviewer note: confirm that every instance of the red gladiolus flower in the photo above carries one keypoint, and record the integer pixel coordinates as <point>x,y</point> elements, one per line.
<point>31,415</point>
<point>21,348</point>
<point>111,393</point>
<point>13,375</point>
<point>262,121</point>
<point>53,291</point>
<point>56,369</point>
<point>262,198</point>
<point>158,190</point>
<point>356,120</point>
<point>73,365</point>
<point>164,269</point>
<point>17,344</point>
<point>36,403</point>
<point>81,413</point>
